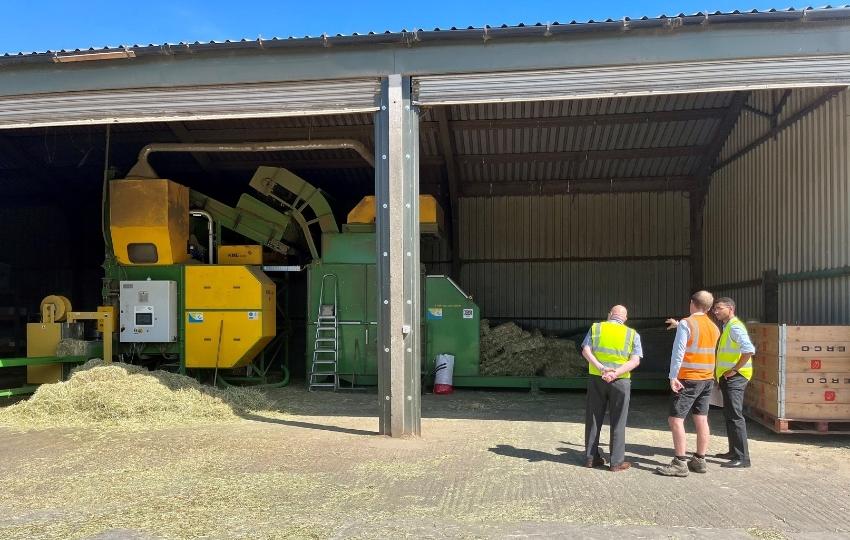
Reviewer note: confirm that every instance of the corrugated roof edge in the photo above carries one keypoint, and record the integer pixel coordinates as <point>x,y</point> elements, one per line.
<point>409,38</point>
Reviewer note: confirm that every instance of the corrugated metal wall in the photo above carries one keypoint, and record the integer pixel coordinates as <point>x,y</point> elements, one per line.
<point>559,262</point>
<point>36,244</point>
<point>784,206</point>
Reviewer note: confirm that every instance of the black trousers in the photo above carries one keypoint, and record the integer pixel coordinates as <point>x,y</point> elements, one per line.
<point>614,397</point>
<point>733,411</point>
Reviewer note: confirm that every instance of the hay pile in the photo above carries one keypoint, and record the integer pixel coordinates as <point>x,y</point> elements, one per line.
<point>100,395</point>
<point>507,349</point>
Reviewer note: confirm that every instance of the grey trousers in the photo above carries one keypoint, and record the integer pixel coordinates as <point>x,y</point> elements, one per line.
<point>733,411</point>
<point>613,396</point>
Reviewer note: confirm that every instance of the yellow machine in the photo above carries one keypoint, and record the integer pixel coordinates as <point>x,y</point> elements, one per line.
<point>430,211</point>
<point>230,315</point>
<point>43,338</point>
<point>227,313</point>
<point>59,322</point>
<point>149,221</point>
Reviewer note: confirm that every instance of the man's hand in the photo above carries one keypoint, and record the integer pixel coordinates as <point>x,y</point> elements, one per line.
<point>676,386</point>
<point>609,376</point>
<point>731,373</point>
<point>607,369</point>
<point>671,323</point>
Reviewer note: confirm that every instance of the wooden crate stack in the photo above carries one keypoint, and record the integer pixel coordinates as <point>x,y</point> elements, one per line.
<point>801,378</point>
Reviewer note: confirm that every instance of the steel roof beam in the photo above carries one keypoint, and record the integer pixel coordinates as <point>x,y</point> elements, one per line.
<point>209,134</point>
<point>578,185</point>
<point>584,155</point>
<point>166,67</point>
<point>447,146</point>
<point>703,174</point>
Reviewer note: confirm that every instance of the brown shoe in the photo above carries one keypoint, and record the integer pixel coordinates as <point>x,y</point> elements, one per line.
<point>677,467</point>
<point>598,461</point>
<point>621,466</point>
<point>697,465</point>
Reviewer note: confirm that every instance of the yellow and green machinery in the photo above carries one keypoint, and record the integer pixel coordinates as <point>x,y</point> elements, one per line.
<point>175,295</point>
<point>167,301</point>
<point>207,316</point>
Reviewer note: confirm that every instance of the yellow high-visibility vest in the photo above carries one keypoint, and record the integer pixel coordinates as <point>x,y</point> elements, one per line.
<point>612,344</point>
<point>729,352</point>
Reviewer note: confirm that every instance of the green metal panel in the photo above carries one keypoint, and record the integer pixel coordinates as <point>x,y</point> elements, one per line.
<point>256,207</point>
<point>356,314</point>
<point>259,229</point>
<point>452,323</point>
<point>358,228</point>
<point>306,195</point>
<point>353,248</point>
<point>42,360</point>
<point>19,391</point>
<point>357,350</point>
<point>372,299</point>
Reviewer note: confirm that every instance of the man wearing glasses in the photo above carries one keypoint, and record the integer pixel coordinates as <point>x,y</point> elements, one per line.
<point>734,369</point>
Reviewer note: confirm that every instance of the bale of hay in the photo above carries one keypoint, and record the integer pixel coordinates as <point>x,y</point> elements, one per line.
<point>484,327</point>
<point>564,359</point>
<point>523,345</point>
<point>101,395</point>
<point>493,343</point>
<point>508,350</point>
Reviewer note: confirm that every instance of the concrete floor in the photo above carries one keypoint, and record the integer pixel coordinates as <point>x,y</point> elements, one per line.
<point>489,465</point>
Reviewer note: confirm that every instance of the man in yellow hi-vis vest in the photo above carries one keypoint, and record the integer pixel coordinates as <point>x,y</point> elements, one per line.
<point>612,351</point>
<point>734,370</point>
<point>691,380</point>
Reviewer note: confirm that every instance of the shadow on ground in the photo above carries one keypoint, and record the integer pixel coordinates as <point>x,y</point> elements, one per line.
<point>648,410</point>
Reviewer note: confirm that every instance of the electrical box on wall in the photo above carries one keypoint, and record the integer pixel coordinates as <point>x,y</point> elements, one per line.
<point>148,311</point>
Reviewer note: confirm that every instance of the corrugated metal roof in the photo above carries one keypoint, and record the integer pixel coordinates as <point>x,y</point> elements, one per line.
<point>411,37</point>
<point>512,146</point>
<point>547,151</point>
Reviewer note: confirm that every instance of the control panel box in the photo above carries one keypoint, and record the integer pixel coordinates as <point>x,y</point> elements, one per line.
<point>148,311</point>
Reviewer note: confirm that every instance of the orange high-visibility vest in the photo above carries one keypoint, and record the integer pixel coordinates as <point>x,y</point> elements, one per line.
<point>698,363</point>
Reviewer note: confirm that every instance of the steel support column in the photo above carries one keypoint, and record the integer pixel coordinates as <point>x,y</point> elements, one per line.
<point>397,235</point>
<point>697,218</point>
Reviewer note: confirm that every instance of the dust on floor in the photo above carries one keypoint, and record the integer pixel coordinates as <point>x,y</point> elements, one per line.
<point>489,464</point>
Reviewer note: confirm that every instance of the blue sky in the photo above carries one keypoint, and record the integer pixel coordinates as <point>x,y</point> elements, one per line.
<point>54,25</point>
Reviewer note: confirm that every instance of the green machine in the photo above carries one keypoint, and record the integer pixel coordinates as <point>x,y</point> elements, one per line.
<point>342,324</point>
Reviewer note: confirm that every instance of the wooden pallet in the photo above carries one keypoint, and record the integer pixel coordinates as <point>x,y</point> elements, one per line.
<point>788,425</point>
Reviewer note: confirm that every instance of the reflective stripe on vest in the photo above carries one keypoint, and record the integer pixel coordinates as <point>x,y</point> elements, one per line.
<point>612,344</point>
<point>698,363</point>
<point>729,352</point>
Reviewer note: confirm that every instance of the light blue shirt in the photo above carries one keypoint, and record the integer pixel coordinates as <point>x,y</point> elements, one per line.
<point>739,335</point>
<point>637,350</point>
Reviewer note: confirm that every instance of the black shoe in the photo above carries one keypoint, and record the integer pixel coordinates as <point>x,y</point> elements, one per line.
<point>737,464</point>
<point>726,455</point>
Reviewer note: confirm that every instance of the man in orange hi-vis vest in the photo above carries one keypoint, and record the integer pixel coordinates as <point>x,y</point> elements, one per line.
<point>691,380</point>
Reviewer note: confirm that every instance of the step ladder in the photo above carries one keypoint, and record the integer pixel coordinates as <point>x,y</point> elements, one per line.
<point>323,372</point>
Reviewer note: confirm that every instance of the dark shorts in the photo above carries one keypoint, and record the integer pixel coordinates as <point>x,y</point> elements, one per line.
<point>694,397</point>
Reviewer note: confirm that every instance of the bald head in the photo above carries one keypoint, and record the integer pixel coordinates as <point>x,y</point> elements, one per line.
<point>618,312</point>
<point>702,301</point>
